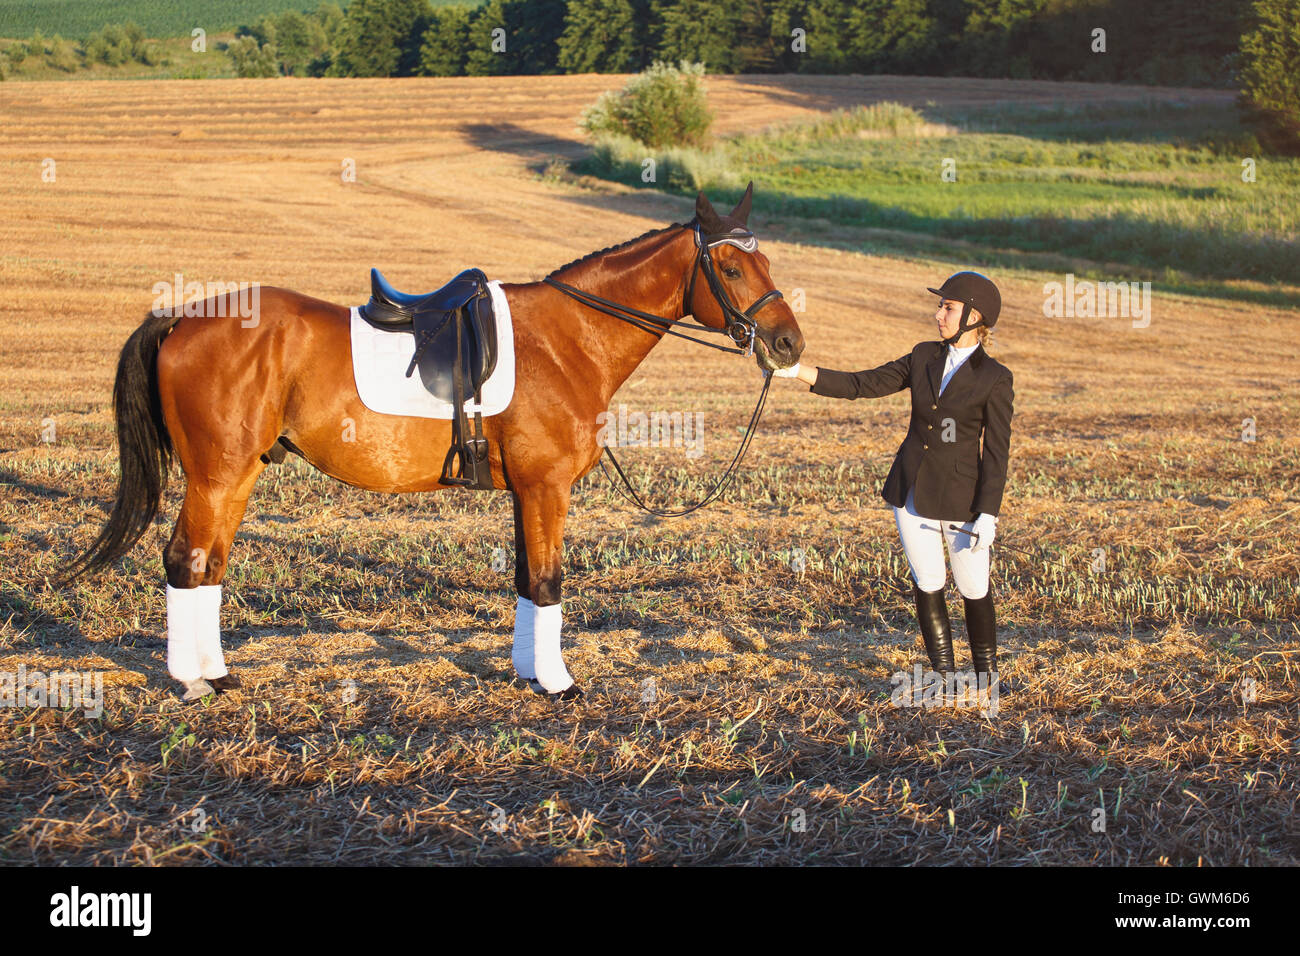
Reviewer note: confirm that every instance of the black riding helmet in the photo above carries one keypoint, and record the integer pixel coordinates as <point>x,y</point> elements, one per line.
<point>973,291</point>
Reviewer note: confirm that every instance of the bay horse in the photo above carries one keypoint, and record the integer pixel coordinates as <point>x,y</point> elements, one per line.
<point>218,395</point>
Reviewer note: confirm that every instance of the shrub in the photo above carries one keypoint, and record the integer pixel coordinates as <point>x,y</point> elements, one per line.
<point>1270,93</point>
<point>299,41</point>
<point>117,45</point>
<point>663,106</point>
<point>252,59</point>
<point>105,46</point>
<point>62,56</point>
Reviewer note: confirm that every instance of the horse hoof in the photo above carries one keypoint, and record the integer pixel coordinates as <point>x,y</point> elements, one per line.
<point>572,692</point>
<point>197,690</point>
<point>223,684</point>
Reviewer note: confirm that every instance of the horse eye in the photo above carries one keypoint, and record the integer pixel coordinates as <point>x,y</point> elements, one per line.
<point>731,273</point>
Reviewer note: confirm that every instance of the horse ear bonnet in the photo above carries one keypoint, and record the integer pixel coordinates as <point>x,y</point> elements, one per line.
<point>715,225</point>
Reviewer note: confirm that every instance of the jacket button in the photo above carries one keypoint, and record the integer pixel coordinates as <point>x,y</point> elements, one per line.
<point>933,407</point>
<point>924,447</point>
<point>929,426</point>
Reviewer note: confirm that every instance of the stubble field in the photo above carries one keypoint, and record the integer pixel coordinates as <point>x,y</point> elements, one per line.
<point>737,662</point>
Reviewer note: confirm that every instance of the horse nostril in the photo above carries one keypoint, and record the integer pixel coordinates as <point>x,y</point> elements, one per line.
<point>784,345</point>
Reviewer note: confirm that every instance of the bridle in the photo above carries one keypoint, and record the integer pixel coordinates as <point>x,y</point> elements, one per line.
<point>741,328</point>
<point>739,325</point>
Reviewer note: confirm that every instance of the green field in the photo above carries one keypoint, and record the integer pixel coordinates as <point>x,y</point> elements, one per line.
<point>75,19</point>
<point>1157,188</point>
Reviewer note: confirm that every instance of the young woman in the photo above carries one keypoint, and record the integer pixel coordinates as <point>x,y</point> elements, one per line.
<point>947,479</point>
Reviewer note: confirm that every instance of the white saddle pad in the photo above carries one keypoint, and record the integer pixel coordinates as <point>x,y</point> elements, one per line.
<point>380,359</point>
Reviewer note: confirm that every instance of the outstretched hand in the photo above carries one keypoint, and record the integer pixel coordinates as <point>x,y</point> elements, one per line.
<point>795,371</point>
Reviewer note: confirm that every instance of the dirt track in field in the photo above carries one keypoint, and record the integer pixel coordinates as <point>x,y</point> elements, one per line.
<point>1126,439</point>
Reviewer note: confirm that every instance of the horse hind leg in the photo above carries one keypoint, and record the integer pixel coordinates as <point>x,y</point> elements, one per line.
<point>196,559</point>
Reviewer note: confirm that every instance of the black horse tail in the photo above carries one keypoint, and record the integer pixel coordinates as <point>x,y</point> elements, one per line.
<point>143,445</point>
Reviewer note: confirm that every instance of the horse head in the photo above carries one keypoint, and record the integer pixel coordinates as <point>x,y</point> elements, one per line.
<point>743,274</point>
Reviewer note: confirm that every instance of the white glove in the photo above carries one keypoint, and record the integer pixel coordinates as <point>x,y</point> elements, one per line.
<point>791,372</point>
<point>985,528</point>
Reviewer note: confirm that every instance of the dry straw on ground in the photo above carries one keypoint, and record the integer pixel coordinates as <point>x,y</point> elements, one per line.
<point>767,735</point>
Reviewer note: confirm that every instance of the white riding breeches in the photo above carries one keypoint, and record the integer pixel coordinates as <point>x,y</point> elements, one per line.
<point>923,540</point>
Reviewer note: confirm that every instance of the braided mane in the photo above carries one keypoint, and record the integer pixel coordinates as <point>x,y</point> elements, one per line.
<point>621,245</point>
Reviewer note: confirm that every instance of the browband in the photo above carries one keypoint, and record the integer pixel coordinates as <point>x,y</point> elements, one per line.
<point>742,239</point>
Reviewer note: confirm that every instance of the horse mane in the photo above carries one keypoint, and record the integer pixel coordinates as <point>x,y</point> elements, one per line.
<point>621,245</point>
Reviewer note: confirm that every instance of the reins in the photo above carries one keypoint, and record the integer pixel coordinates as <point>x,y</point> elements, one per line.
<point>642,320</point>
<point>741,327</point>
<point>722,482</point>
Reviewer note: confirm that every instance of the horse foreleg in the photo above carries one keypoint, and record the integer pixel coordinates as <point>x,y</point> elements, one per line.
<point>195,560</point>
<point>521,653</point>
<point>539,569</point>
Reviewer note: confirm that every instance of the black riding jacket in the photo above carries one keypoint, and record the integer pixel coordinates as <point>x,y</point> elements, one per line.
<point>941,457</point>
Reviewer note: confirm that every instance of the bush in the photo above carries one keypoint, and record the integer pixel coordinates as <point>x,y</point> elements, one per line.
<point>105,46</point>
<point>293,43</point>
<point>1270,93</point>
<point>664,106</point>
<point>62,56</point>
<point>253,59</point>
<point>118,45</point>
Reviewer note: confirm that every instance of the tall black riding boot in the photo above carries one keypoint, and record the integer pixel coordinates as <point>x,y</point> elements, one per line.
<point>981,629</point>
<point>932,615</point>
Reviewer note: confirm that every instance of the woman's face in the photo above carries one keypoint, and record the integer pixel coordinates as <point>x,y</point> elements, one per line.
<point>948,317</point>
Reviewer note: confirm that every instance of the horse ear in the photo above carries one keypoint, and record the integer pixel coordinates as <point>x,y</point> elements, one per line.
<point>741,212</point>
<point>705,214</point>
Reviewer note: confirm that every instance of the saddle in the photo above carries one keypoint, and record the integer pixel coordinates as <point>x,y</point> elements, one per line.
<point>455,351</point>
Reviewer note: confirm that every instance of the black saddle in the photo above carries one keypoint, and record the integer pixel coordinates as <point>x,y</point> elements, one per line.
<point>455,350</point>
<point>434,317</point>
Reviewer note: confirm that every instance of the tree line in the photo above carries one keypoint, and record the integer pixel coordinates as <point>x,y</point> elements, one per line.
<point>1163,42</point>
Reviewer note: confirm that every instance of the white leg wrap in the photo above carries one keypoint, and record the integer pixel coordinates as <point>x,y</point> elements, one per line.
<point>551,672</point>
<point>207,625</point>
<point>182,635</point>
<point>522,653</point>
